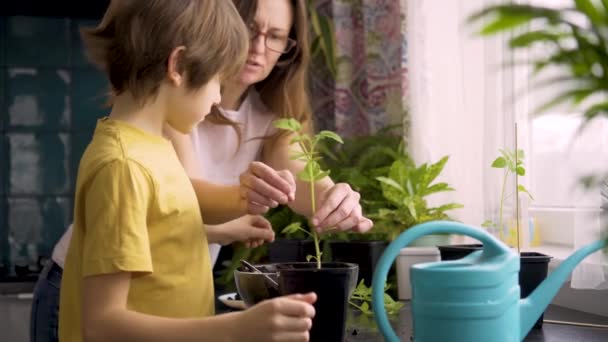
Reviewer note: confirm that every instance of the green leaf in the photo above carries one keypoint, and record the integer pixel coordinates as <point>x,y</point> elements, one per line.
<point>576,95</point>
<point>505,23</point>
<point>288,124</point>
<point>311,169</point>
<point>330,135</point>
<point>298,156</point>
<point>499,163</point>
<point>523,189</point>
<point>520,154</point>
<point>433,171</point>
<point>520,171</point>
<point>321,175</point>
<point>449,206</point>
<point>309,257</point>
<point>390,182</point>
<point>587,7</point>
<point>296,139</point>
<point>292,228</point>
<point>315,46</point>
<point>439,187</point>
<point>529,38</point>
<point>411,207</point>
<point>595,110</point>
<point>488,224</point>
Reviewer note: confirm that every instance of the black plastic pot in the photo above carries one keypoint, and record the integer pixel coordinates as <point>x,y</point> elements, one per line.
<point>455,252</point>
<point>290,250</point>
<point>363,253</point>
<point>333,284</point>
<point>533,268</point>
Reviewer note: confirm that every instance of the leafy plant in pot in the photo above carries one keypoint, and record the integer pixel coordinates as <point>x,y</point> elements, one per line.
<point>358,162</point>
<point>286,247</point>
<point>534,266</point>
<point>333,282</point>
<point>405,190</point>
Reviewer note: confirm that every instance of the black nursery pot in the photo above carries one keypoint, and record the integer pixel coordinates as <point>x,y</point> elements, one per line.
<point>533,271</point>
<point>333,284</point>
<point>363,253</point>
<point>533,268</point>
<point>455,252</point>
<point>290,250</point>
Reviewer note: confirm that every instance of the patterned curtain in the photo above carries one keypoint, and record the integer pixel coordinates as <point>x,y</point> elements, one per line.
<point>370,88</point>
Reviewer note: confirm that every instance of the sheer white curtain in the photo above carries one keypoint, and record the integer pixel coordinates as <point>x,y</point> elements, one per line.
<point>456,94</point>
<point>464,104</point>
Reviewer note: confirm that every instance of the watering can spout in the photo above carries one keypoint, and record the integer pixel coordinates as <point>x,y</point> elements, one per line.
<point>533,306</point>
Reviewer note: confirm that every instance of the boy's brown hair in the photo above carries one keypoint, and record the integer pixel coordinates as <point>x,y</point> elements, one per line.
<point>133,42</point>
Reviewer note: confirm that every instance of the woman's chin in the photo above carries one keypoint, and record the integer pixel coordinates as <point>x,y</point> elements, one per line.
<point>249,78</point>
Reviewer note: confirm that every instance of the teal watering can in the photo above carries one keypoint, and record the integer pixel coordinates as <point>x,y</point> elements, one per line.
<point>476,298</point>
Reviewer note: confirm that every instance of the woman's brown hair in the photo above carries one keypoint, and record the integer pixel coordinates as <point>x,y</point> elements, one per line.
<point>285,91</point>
<point>135,38</point>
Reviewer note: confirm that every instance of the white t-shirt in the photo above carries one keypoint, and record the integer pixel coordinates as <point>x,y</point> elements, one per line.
<point>216,146</point>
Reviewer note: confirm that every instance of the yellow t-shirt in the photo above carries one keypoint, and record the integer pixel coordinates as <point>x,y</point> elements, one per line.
<point>136,211</point>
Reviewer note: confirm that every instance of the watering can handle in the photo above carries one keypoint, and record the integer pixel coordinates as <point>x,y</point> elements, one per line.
<point>491,247</point>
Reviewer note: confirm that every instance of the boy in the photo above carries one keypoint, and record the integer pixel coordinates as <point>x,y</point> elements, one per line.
<point>138,267</point>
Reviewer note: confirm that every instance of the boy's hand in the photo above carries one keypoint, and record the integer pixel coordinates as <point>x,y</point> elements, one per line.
<point>252,230</point>
<point>340,208</point>
<point>287,318</point>
<point>262,187</point>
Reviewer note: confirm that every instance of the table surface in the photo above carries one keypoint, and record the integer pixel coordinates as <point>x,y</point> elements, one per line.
<point>14,321</point>
<point>361,328</point>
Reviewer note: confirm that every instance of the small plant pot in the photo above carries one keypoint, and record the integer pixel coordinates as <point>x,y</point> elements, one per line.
<point>455,252</point>
<point>533,268</point>
<point>333,284</point>
<point>363,253</point>
<point>533,271</point>
<point>290,250</point>
<point>408,257</point>
<point>253,287</point>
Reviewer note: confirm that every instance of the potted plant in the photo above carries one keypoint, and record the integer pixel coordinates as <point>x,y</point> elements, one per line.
<point>405,190</point>
<point>533,266</point>
<point>333,282</point>
<point>358,162</point>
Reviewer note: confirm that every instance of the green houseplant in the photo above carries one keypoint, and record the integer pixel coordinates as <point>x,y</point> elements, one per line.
<point>512,164</point>
<point>405,189</point>
<point>332,282</point>
<point>358,162</point>
<point>575,40</point>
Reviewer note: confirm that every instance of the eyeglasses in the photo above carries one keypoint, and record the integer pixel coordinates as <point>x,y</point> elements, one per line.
<point>272,41</point>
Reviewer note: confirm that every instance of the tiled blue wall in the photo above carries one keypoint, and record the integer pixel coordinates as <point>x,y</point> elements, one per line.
<point>50,98</point>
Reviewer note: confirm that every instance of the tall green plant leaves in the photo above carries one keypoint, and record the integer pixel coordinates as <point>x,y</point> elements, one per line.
<point>577,38</point>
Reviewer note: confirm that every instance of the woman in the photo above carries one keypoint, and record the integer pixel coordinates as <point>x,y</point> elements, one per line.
<point>271,85</point>
<point>226,147</point>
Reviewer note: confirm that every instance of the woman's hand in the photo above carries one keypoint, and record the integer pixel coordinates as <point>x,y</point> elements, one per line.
<point>339,207</point>
<point>262,187</point>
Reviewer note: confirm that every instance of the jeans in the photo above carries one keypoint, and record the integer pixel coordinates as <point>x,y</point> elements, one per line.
<point>44,318</point>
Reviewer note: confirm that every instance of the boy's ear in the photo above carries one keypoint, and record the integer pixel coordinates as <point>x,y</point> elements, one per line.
<point>174,72</point>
